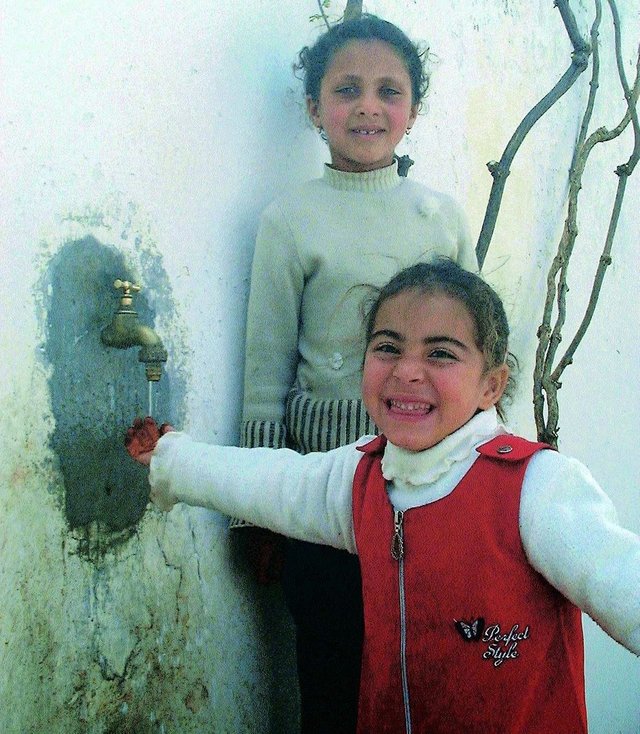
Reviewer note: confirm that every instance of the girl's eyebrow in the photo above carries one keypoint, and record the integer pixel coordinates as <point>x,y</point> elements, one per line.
<point>389,333</point>
<point>348,78</point>
<point>352,78</point>
<point>390,80</point>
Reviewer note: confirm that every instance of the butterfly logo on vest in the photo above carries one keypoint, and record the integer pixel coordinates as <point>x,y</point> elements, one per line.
<point>470,631</point>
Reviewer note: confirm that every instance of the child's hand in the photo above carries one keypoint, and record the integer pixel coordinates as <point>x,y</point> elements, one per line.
<point>142,437</point>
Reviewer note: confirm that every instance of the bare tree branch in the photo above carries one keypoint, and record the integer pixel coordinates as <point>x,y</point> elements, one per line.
<point>546,378</point>
<point>623,171</point>
<point>550,338</point>
<point>353,10</point>
<point>631,95</point>
<point>500,170</point>
<point>593,84</point>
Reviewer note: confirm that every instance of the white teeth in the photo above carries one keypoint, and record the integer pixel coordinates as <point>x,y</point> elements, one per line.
<point>418,407</point>
<point>366,132</point>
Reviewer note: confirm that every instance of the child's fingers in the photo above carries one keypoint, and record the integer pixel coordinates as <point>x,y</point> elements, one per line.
<point>144,458</point>
<point>142,437</point>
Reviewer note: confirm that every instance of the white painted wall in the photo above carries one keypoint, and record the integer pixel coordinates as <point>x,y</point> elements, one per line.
<point>162,129</point>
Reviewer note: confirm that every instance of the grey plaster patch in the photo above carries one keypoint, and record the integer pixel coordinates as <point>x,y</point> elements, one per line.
<point>96,391</point>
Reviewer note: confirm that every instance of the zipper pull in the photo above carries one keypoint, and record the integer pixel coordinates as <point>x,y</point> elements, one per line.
<point>397,542</point>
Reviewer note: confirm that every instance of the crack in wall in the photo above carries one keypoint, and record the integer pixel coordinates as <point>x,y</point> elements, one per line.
<point>180,572</point>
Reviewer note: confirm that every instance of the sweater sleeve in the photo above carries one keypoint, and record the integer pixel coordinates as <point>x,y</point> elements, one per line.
<point>271,354</point>
<point>467,258</point>
<point>571,536</point>
<point>454,226</point>
<point>302,496</point>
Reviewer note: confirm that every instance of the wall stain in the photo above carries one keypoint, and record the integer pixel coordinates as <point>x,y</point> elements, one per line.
<point>96,391</point>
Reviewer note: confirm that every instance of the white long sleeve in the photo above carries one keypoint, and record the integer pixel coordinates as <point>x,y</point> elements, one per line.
<point>305,497</point>
<point>571,536</point>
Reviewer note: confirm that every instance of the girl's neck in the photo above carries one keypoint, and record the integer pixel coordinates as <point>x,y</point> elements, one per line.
<point>424,467</point>
<point>381,179</point>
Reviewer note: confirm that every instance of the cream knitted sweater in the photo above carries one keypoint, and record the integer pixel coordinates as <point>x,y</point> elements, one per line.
<point>318,248</point>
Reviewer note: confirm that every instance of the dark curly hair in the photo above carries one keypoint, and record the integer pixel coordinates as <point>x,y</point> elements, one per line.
<point>313,61</point>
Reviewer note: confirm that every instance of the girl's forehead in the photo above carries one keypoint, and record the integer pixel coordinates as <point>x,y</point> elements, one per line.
<point>414,308</point>
<point>366,53</point>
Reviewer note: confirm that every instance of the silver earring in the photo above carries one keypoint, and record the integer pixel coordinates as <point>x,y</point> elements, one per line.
<point>407,131</point>
<point>323,134</point>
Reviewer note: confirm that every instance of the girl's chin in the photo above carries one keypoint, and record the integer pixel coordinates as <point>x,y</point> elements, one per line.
<point>409,441</point>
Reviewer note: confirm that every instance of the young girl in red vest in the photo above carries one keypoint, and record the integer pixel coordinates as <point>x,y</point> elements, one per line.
<point>478,548</point>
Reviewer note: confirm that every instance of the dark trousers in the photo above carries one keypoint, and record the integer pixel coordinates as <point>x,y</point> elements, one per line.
<point>322,587</point>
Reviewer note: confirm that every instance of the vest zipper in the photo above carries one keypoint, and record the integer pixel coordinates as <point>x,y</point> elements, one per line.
<point>397,542</point>
<point>397,553</point>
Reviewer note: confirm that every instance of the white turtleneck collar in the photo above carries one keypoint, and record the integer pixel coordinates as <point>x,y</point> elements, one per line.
<point>432,471</point>
<point>381,179</point>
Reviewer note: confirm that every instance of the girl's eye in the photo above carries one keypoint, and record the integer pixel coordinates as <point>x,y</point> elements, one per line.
<point>347,91</point>
<point>441,355</point>
<point>386,348</point>
<point>389,92</point>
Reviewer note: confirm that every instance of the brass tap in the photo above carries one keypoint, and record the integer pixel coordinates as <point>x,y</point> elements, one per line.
<point>126,331</point>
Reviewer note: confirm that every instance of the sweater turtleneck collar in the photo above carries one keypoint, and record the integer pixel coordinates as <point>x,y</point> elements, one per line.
<point>382,179</point>
<point>418,468</point>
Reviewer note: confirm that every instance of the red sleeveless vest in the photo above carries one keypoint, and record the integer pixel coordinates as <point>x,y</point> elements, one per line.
<point>462,635</point>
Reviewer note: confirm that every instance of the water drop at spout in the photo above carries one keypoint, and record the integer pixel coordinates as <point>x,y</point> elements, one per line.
<point>150,399</point>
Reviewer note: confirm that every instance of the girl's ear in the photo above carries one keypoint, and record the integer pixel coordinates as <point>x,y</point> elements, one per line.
<point>495,382</point>
<point>313,108</point>
<point>413,115</point>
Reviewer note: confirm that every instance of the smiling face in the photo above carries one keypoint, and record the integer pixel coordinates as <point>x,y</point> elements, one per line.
<point>424,376</point>
<point>365,105</point>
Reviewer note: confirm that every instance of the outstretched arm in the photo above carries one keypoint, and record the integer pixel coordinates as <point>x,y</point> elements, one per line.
<point>571,536</point>
<point>306,497</point>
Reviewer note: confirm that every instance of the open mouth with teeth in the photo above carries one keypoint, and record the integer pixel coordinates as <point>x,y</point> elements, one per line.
<point>360,131</point>
<point>408,408</point>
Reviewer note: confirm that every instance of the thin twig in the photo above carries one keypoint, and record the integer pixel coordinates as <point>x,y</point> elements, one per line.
<point>631,95</point>
<point>576,172</point>
<point>323,14</point>
<point>500,170</point>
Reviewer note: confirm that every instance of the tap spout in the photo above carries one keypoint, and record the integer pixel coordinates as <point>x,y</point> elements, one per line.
<point>125,330</point>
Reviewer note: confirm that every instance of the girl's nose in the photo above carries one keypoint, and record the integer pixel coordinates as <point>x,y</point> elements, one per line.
<point>409,369</point>
<point>368,104</point>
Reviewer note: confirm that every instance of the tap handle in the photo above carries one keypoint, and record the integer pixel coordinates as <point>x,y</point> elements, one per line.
<point>125,286</point>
